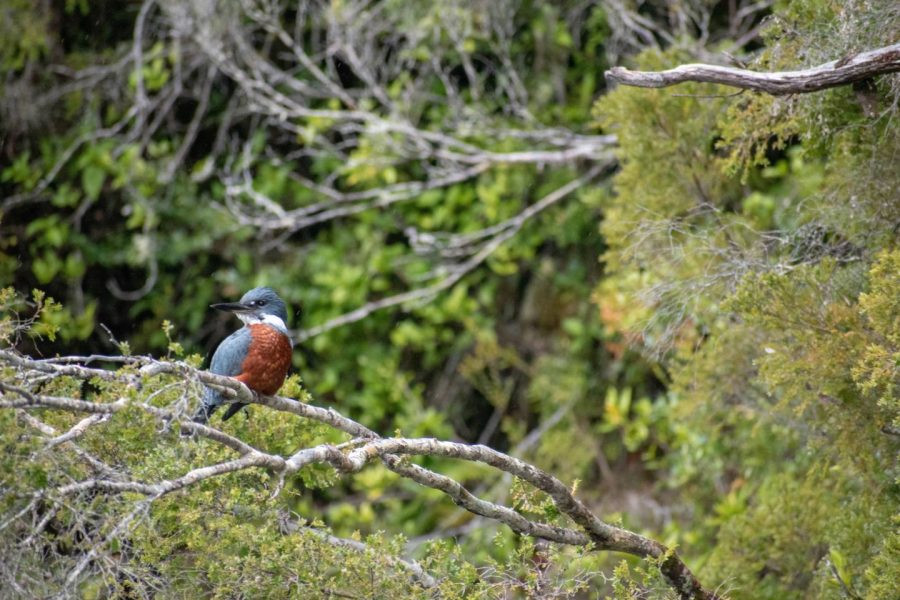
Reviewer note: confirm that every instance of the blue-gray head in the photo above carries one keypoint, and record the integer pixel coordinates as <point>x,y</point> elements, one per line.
<point>258,305</point>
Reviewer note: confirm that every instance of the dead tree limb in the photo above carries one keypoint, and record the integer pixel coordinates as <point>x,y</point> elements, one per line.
<point>836,73</point>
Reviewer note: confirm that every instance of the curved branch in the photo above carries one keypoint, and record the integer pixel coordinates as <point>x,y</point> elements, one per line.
<point>603,535</point>
<point>832,74</point>
<point>351,457</point>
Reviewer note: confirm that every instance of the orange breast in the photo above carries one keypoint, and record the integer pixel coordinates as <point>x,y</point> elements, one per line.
<point>268,360</point>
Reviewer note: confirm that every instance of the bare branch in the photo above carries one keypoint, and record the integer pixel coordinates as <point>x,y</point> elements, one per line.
<point>86,138</point>
<point>121,527</point>
<point>77,430</point>
<point>455,245</point>
<point>193,128</point>
<point>501,233</point>
<point>832,74</point>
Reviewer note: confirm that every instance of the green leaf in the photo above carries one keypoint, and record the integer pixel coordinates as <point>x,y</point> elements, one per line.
<point>65,196</point>
<point>92,179</point>
<point>45,268</point>
<point>74,267</point>
<point>38,477</point>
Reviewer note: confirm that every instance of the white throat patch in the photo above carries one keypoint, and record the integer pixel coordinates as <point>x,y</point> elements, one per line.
<point>275,322</point>
<point>248,318</point>
<point>272,320</point>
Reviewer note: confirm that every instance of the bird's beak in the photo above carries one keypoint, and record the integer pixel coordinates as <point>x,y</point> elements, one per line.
<point>234,307</point>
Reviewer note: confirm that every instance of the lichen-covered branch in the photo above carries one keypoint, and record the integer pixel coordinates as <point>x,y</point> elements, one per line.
<point>23,394</point>
<point>836,73</point>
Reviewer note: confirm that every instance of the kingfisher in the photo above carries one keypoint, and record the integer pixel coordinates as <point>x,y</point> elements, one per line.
<point>258,354</point>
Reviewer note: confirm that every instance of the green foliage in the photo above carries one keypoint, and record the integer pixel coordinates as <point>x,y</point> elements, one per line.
<point>636,581</point>
<point>43,316</point>
<point>23,34</point>
<point>735,358</point>
<point>234,534</point>
<point>783,353</point>
<point>877,371</point>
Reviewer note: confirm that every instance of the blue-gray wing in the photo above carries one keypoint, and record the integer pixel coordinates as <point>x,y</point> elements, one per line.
<point>230,354</point>
<point>226,360</point>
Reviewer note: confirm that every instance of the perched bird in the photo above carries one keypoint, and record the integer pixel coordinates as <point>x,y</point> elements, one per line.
<point>258,354</point>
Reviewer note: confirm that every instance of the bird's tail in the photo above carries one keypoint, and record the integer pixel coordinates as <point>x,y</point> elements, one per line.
<point>211,403</point>
<point>232,410</point>
<point>204,413</point>
<point>208,405</point>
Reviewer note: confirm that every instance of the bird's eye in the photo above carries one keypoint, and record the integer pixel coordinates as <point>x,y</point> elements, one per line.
<point>260,302</point>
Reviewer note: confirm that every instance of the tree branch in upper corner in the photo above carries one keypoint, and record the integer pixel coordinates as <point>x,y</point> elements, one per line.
<point>844,71</point>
